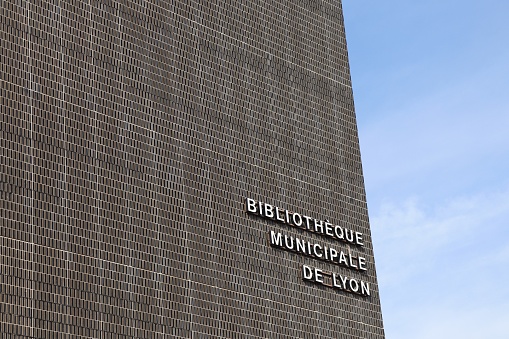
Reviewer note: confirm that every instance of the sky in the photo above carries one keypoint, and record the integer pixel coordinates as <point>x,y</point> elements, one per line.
<point>431,88</point>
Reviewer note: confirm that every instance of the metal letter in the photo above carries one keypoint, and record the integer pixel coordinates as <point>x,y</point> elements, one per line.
<point>308,226</point>
<point>358,239</point>
<point>356,289</point>
<point>316,253</point>
<point>339,234</point>
<point>335,281</point>
<point>362,264</point>
<point>365,288</point>
<point>297,221</point>
<point>342,258</point>
<point>319,225</point>
<point>277,216</point>
<point>328,229</point>
<point>333,254</point>
<point>251,205</point>
<point>307,272</point>
<point>318,276</point>
<point>300,245</point>
<point>343,281</point>
<point>269,211</point>
<point>352,265</point>
<point>276,239</point>
<point>286,242</point>
<point>349,238</point>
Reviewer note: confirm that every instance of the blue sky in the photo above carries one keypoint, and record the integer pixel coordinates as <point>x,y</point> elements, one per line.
<point>431,87</point>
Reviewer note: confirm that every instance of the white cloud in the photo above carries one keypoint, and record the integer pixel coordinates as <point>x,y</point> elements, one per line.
<point>433,121</point>
<point>441,267</point>
<point>452,132</point>
<point>412,236</point>
<point>447,321</point>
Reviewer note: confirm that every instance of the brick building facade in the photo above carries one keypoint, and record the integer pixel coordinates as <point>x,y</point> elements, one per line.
<point>134,136</point>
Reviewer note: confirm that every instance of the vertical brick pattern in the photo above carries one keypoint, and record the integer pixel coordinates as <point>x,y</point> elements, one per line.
<point>131,133</point>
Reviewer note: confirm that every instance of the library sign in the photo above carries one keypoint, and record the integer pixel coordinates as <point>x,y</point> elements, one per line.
<point>315,250</point>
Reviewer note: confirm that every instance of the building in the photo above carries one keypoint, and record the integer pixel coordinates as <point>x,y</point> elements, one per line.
<point>181,169</point>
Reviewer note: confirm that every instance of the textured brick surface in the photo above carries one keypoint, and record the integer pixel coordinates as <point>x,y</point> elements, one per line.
<point>131,134</point>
